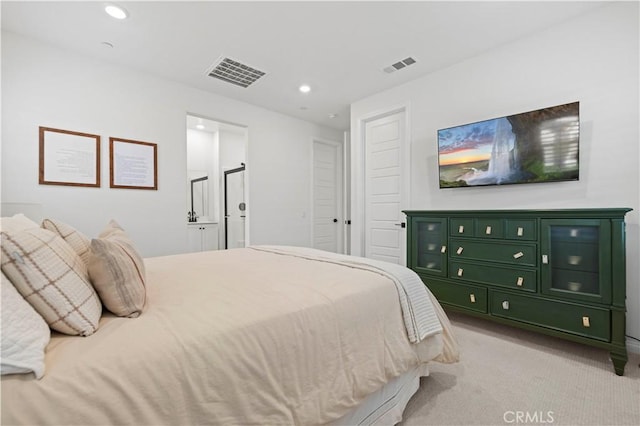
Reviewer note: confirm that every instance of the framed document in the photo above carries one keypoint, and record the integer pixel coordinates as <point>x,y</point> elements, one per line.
<point>69,158</point>
<point>133,164</point>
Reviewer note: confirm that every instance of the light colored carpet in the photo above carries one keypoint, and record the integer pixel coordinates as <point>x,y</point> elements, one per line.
<point>511,376</point>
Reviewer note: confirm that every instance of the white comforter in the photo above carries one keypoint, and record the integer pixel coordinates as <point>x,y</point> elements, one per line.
<point>244,336</point>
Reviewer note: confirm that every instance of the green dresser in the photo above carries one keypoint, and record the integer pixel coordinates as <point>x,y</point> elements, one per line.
<point>558,272</point>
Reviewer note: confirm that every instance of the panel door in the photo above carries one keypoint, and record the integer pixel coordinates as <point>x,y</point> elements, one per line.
<point>327,196</point>
<point>386,189</point>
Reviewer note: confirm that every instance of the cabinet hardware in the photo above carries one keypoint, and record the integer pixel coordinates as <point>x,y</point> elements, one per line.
<point>545,259</point>
<point>585,322</point>
<point>520,231</point>
<point>472,297</point>
<point>520,281</point>
<point>518,255</point>
<point>443,249</point>
<point>505,305</point>
<point>488,230</point>
<point>461,229</point>
<point>459,251</point>
<point>460,272</point>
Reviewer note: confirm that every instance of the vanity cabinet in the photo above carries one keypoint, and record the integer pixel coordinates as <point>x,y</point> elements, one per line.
<point>202,236</point>
<point>558,272</point>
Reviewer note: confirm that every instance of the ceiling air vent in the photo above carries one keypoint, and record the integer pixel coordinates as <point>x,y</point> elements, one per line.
<point>399,65</point>
<point>234,72</point>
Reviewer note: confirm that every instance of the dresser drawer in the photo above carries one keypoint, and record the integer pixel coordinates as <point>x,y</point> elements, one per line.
<point>503,252</point>
<point>489,228</point>
<point>490,274</point>
<point>465,296</point>
<point>461,227</point>
<point>568,317</point>
<point>521,229</point>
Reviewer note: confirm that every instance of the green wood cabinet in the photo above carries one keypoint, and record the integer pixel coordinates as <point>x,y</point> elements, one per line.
<point>558,272</point>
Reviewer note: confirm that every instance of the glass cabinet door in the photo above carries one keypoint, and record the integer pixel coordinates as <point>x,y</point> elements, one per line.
<point>429,247</point>
<point>576,259</point>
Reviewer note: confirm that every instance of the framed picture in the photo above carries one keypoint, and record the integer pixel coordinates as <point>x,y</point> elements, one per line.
<point>133,164</point>
<point>68,158</point>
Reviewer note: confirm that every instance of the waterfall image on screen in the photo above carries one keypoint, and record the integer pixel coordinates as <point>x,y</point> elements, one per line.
<point>536,146</point>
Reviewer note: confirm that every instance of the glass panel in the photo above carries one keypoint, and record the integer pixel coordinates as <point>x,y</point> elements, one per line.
<point>429,245</point>
<point>575,259</point>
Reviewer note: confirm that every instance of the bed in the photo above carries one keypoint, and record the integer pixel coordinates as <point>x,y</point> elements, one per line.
<point>258,335</point>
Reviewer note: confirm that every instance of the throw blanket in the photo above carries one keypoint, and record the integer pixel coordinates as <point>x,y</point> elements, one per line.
<point>420,317</point>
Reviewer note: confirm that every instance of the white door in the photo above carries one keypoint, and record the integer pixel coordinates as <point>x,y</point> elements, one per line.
<point>327,196</point>
<point>235,208</point>
<point>386,188</point>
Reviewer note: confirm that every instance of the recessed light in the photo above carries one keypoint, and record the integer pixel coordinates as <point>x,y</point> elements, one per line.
<point>200,126</point>
<point>107,44</point>
<point>305,88</point>
<point>334,115</point>
<point>116,11</point>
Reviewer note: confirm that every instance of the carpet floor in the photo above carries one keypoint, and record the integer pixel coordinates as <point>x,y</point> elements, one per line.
<point>512,376</point>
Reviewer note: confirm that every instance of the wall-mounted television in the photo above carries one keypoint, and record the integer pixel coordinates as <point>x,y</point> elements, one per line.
<point>535,146</point>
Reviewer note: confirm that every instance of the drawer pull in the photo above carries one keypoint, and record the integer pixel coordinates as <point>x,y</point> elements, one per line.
<point>459,251</point>
<point>443,249</point>
<point>520,231</point>
<point>472,297</point>
<point>505,305</point>
<point>585,322</point>
<point>545,259</point>
<point>574,260</point>
<point>520,281</point>
<point>488,230</point>
<point>461,229</point>
<point>518,255</point>
<point>460,272</point>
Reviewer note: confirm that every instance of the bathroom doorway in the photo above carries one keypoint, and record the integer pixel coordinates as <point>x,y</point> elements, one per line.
<point>213,148</point>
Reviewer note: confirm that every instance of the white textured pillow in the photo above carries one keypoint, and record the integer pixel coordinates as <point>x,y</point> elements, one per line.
<point>117,272</point>
<point>24,334</point>
<point>16,223</point>
<point>76,239</point>
<point>53,279</point>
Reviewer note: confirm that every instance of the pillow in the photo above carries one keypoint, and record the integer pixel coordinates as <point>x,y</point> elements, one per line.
<point>117,272</point>
<point>53,279</point>
<point>77,240</point>
<point>16,223</point>
<point>24,334</point>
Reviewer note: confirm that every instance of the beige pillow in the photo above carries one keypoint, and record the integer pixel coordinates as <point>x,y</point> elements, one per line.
<point>16,223</point>
<point>76,239</point>
<point>117,272</point>
<point>53,279</point>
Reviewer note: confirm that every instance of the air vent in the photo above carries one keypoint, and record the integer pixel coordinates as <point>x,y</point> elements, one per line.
<point>234,72</point>
<point>399,65</point>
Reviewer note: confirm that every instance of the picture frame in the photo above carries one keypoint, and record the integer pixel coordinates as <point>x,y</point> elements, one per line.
<point>68,158</point>
<point>133,164</point>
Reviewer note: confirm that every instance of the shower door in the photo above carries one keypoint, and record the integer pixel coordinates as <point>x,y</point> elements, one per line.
<point>234,208</point>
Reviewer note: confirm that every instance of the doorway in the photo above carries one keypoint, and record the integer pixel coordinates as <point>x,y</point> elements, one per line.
<point>327,210</point>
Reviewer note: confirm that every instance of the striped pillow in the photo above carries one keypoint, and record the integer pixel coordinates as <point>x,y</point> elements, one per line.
<point>117,272</point>
<point>53,279</point>
<point>77,240</point>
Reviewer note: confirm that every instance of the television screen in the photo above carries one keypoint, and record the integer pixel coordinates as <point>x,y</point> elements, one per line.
<point>535,146</point>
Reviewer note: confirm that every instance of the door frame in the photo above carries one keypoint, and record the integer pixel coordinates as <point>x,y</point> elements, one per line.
<point>340,191</point>
<point>358,202</point>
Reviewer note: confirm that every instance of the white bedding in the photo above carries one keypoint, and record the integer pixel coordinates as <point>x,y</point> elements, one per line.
<point>241,336</point>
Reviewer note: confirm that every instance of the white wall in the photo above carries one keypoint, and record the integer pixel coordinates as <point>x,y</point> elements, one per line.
<point>46,86</point>
<point>592,59</point>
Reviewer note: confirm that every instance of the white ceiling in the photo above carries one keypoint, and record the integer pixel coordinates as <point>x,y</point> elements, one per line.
<point>339,48</point>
